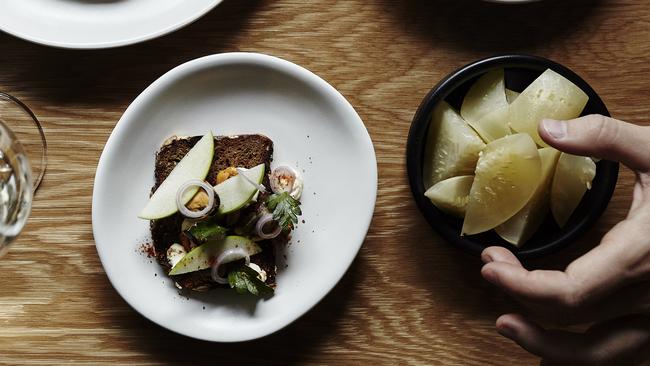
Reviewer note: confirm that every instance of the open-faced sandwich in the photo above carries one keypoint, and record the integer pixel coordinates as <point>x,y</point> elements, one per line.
<point>218,214</point>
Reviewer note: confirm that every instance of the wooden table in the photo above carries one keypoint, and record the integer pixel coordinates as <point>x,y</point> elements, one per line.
<point>408,298</point>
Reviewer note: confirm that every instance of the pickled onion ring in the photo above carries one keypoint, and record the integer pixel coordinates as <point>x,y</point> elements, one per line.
<point>259,227</point>
<point>181,192</point>
<point>228,256</point>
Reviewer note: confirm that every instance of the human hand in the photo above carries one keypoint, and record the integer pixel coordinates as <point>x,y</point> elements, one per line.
<point>610,285</point>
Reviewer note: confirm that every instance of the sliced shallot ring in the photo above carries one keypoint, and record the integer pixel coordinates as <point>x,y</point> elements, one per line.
<point>259,227</point>
<point>181,192</point>
<point>228,256</point>
<point>259,187</point>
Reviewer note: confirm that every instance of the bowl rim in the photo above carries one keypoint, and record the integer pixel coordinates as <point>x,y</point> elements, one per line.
<point>607,170</point>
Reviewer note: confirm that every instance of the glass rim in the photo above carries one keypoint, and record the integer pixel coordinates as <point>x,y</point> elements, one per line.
<point>37,123</point>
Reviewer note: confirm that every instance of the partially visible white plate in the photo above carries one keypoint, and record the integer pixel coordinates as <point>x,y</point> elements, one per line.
<point>312,126</point>
<point>98,23</point>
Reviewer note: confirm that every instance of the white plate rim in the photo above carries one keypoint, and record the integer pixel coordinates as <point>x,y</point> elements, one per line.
<point>227,58</point>
<point>113,44</point>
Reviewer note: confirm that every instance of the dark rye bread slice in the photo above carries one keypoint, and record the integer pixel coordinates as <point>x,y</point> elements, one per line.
<point>237,151</point>
<point>245,151</point>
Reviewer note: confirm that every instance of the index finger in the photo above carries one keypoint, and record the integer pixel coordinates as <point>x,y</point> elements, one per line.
<point>538,286</point>
<point>604,269</point>
<point>621,258</point>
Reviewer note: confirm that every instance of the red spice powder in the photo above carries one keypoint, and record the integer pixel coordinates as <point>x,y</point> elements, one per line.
<point>147,249</point>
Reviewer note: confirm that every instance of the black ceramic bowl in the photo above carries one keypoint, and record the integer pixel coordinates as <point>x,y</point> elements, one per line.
<point>520,71</point>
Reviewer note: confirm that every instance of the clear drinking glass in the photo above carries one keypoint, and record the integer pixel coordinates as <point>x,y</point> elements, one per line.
<point>23,152</point>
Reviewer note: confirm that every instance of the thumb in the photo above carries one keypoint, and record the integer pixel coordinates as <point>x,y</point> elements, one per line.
<point>602,137</point>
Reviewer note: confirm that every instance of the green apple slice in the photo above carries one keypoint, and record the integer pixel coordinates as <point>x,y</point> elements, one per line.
<point>485,106</point>
<point>451,195</point>
<point>452,146</point>
<point>511,95</point>
<point>202,256</point>
<point>573,177</point>
<point>521,227</point>
<point>194,165</point>
<point>507,174</point>
<point>552,96</point>
<point>236,192</point>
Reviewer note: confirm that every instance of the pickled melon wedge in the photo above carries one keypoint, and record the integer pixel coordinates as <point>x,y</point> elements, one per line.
<point>507,174</point>
<point>551,95</point>
<point>485,106</point>
<point>451,195</point>
<point>511,95</point>
<point>493,126</point>
<point>487,94</point>
<point>521,227</point>
<point>452,146</point>
<point>573,177</point>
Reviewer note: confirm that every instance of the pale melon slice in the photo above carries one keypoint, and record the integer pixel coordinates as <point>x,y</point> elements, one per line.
<point>452,146</point>
<point>451,195</point>
<point>573,177</point>
<point>507,174</point>
<point>552,96</point>
<point>485,106</point>
<point>521,227</point>
<point>493,126</point>
<point>194,165</point>
<point>511,95</point>
<point>486,95</point>
<point>202,256</point>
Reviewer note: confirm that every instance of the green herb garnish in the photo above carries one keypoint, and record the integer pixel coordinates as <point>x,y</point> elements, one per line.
<point>205,230</point>
<point>286,209</point>
<point>244,279</point>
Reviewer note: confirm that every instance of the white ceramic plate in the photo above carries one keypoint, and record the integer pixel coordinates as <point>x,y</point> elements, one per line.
<point>97,23</point>
<point>312,126</point>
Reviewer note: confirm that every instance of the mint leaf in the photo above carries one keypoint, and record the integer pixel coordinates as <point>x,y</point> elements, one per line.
<point>244,279</point>
<point>205,230</point>
<point>286,209</point>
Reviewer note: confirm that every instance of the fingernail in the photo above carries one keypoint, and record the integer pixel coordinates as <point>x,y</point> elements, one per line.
<point>487,258</point>
<point>489,275</point>
<point>557,129</point>
<point>506,331</point>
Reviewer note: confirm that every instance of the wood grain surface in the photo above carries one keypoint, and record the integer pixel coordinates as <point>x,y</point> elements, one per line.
<point>409,298</point>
